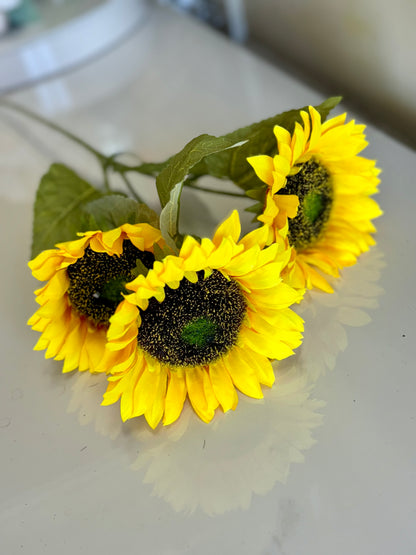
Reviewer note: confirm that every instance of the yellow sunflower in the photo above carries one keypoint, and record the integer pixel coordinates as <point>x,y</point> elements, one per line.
<point>85,280</point>
<point>201,324</point>
<point>319,189</point>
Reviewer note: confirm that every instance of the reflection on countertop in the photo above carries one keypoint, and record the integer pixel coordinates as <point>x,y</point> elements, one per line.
<point>217,467</point>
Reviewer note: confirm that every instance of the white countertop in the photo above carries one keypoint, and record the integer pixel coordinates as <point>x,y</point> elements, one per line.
<point>324,465</point>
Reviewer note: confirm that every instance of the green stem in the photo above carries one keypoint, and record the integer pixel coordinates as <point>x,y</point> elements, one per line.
<point>147,168</point>
<point>130,187</point>
<point>107,162</point>
<point>21,110</point>
<point>216,191</point>
<point>151,169</point>
<point>107,187</point>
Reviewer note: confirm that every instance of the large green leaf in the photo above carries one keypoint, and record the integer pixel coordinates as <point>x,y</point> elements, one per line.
<point>113,211</point>
<point>170,181</point>
<point>258,139</point>
<point>58,214</point>
<point>180,164</point>
<point>149,168</point>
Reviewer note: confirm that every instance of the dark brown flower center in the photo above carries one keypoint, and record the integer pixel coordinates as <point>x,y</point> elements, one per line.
<point>97,280</point>
<point>196,323</point>
<point>313,186</point>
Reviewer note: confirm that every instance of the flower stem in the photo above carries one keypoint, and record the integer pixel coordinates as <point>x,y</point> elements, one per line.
<point>28,113</point>
<point>215,191</point>
<point>107,162</point>
<point>130,187</point>
<point>107,187</point>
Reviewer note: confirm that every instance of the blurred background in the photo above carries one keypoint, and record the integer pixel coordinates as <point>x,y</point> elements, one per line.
<point>362,49</point>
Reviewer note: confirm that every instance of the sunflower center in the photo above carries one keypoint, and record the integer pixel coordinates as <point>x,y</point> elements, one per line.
<point>196,323</point>
<point>313,186</point>
<point>97,280</point>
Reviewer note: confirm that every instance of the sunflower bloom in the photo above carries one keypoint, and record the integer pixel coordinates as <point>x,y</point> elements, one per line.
<point>319,192</point>
<point>200,325</point>
<point>85,281</point>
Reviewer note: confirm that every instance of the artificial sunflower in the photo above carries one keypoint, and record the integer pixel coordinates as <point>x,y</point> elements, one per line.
<point>86,279</point>
<point>319,189</point>
<point>201,324</point>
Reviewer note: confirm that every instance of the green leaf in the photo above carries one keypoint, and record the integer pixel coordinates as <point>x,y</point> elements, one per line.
<point>58,214</point>
<point>110,212</point>
<point>255,208</point>
<point>113,211</point>
<point>169,218</point>
<point>259,139</point>
<point>161,252</point>
<point>169,183</point>
<point>257,194</point>
<point>180,164</point>
<point>150,168</point>
<point>144,214</point>
<point>139,269</point>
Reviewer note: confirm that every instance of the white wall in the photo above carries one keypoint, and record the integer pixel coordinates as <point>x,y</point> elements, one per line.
<point>364,49</point>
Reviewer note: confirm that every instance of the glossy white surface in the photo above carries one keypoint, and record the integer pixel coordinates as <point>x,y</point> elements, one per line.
<point>265,479</point>
<point>65,36</point>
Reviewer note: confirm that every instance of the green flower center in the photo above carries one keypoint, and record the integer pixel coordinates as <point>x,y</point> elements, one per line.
<point>199,333</point>
<point>97,280</point>
<point>196,323</point>
<point>313,186</point>
<point>114,288</point>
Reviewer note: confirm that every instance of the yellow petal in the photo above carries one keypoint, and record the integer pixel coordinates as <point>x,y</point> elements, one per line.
<point>316,128</point>
<point>230,228</point>
<point>243,375</point>
<point>113,393</point>
<point>74,248</point>
<point>288,203</point>
<point>194,259</point>
<point>46,264</point>
<point>261,366</point>
<point>298,141</point>
<point>110,238</point>
<point>57,285</point>
<point>263,166</point>
<point>267,345</point>
<point>263,277</point>
<point>126,401</point>
<point>223,253</point>
<point>282,165</point>
<point>155,412</point>
<point>243,263</point>
<point>175,396</point>
<point>223,386</point>
<point>200,393</point>
<point>146,388</point>
<point>257,237</point>
<point>314,279</point>
<point>306,123</point>
<point>94,346</point>
<point>282,135</point>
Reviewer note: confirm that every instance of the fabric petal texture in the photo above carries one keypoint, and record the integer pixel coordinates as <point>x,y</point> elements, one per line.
<point>197,330</point>
<point>78,298</point>
<point>330,224</point>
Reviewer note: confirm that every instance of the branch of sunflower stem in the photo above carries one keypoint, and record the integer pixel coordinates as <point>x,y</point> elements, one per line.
<point>109,162</point>
<point>192,185</point>
<point>106,162</point>
<point>130,187</point>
